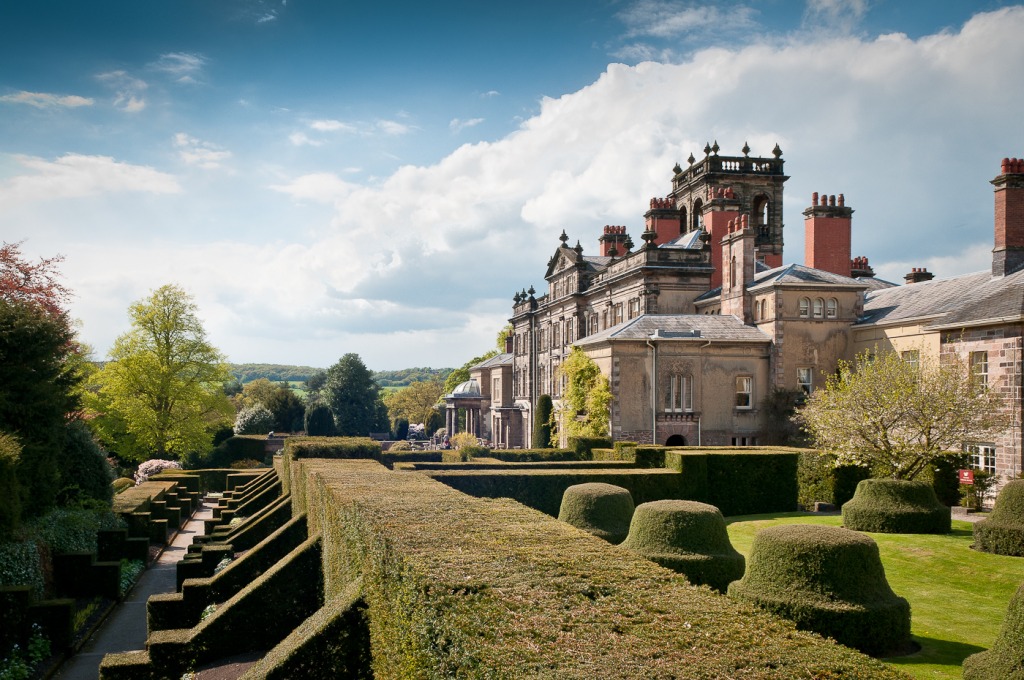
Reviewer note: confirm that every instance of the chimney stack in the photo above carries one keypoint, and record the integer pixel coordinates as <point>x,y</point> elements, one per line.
<point>614,241</point>
<point>827,234</point>
<point>917,275</point>
<point>664,220</point>
<point>1008,253</point>
<point>721,207</point>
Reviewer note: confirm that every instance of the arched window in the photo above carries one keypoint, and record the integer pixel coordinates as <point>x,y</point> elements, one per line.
<point>764,310</point>
<point>760,212</point>
<point>682,220</point>
<point>819,308</point>
<point>757,310</point>
<point>805,307</point>
<point>832,308</point>
<point>697,218</point>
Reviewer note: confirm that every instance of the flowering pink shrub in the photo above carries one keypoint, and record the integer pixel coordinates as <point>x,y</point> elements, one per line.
<point>153,466</point>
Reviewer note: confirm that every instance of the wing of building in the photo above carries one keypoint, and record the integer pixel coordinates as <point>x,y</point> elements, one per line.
<point>700,324</point>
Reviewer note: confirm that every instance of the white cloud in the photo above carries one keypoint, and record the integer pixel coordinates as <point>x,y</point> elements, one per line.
<point>323,187</point>
<point>674,18</point>
<point>269,16</point>
<point>490,93</point>
<point>182,67</point>
<point>45,100</point>
<point>127,90</point>
<point>458,125</point>
<point>393,128</point>
<point>199,153</point>
<point>841,16</point>
<point>76,176</point>
<point>331,126</point>
<point>302,139</point>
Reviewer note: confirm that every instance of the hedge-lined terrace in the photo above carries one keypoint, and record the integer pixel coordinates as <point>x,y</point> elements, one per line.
<point>457,586</point>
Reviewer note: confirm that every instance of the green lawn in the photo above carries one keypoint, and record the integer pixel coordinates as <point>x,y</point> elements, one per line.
<point>957,596</point>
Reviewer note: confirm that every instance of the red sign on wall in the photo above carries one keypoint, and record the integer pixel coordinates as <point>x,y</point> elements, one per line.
<point>966,476</point>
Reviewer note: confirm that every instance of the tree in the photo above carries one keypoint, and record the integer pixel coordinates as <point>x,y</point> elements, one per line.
<point>38,283</point>
<point>897,417</point>
<point>542,423</point>
<point>354,398</point>
<point>287,407</point>
<point>254,420</point>
<point>164,384</point>
<point>584,410</point>
<point>258,391</point>
<point>319,421</point>
<point>415,403</point>
<point>461,374</point>
<point>503,335</point>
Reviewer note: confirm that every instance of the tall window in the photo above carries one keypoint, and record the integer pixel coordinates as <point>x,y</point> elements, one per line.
<point>805,379</point>
<point>832,308</point>
<point>496,391</point>
<point>805,308</point>
<point>556,335</point>
<point>634,308</point>
<point>912,358</point>
<point>568,331</point>
<point>983,456</point>
<point>679,394</point>
<point>744,391</point>
<point>618,314</point>
<point>819,308</point>
<point>979,368</point>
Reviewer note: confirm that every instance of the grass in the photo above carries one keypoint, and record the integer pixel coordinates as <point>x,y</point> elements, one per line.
<point>958,596</point>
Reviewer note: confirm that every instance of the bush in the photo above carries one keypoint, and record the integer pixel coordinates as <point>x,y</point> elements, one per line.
<point>121,483</point>
<point>582,446</point>
<point>603,510</point>
<point>943,472</point>
<point>828,580</point>
<point>687,537</point>
<point>254,420</point>
<point>400,446</point>
<point>319,421</point>
<point>332,447</point>
<point>1005,660</point>
<point>153,466</point>
<point>542,422</point>
<point>10,492</point>
<point>401,428</point>
<point>84,470</point>
<point>896,506</point>
<point>1003,531</point>
<point>236,448</point>
<point>821,481</point>
<point>20,565</point>
<point>464,439</point>
<point>533,455</point>
<point>739,481</point>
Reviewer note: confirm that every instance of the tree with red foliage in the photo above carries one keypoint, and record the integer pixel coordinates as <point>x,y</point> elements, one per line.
<point>36,283</point>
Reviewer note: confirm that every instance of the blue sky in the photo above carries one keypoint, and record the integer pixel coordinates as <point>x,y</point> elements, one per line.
<point>329,177</point>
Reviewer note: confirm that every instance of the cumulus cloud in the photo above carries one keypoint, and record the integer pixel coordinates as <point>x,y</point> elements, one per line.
<point>322,187</point>
<point>199,153</point>
<point>45,100</point>
<point>127,90</point>
<point>76,176</point>
<point>182,67</point>
<point>332,126</point>
<point>458,125</point>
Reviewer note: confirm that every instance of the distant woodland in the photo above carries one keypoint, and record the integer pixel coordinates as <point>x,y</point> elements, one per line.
<point>278,372</point>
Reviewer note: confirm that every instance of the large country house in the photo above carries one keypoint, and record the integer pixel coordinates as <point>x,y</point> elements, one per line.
<point>697,326</point>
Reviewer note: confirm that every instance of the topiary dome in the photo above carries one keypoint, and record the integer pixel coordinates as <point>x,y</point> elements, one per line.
<point>687,537</point>
<point>603,510</point>
<point>1003,531</point>
<point>828,580</point>
<point>1005,660</point>
<point>896,506</point>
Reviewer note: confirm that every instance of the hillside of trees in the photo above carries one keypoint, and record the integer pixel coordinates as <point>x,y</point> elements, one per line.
<point>407,376</point>
<point>277,372</point>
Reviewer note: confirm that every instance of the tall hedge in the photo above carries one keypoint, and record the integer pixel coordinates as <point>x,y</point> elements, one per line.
<point>1003,531</point>
<point>84,471</point>
<point>542,422</point>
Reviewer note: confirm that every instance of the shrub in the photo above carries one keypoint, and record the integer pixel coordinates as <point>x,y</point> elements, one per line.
<point>738,481</point>
<point>246,464</point>
<point>542,422</point>
<point>464,439</point>
<point>582,446</point>
<point>896,506</point>
<point>237,447</point>
<point>687,537</point>
<point>332,447</point>
<point>254,420</point>
<point>121,483</point>
<point>828,580</point>
<point>319,421</point>
<point>10,493</point>
<point>820,480</point>
<point>1005,660</point>
<point>532,455</point>
<point>20,565</point>
<point>944,476</point>
<point>400,446</point>
<point>603,510</point>
<point>153,466</point>
<point>1003,531</point>
<point>401,428</point>
<point>84,470</point>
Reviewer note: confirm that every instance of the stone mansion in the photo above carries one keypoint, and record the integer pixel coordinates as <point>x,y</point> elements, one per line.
<point>700,323</point>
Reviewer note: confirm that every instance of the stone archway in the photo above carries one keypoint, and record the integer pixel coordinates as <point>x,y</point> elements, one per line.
<point>676,440</point>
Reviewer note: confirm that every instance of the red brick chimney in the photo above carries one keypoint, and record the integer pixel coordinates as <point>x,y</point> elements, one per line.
<point>721,207</point>
<point>917,275</point>
<point>737,268</point>
<point>614,239</point>
<point>827,234</point>
<point>1008,253</point>
<point>663,219</point>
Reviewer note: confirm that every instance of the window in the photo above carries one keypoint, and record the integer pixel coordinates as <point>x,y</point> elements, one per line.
<point>979,368</point>
<point>744,441</point>
<point>819,308</point>
<point>634,308</point>
<point>593,325</point>
<point>568,331</point>
<point>912,358</point>
<point>496,391</point>
<point>983,456</point>
<point>679,394</point>
<point>744,391</point>
<point>805,379</point>
<point>604,319</point>
<point>618,314</point>
<point>556,335</point>
<point>805,308</point>
<point>832,308</point>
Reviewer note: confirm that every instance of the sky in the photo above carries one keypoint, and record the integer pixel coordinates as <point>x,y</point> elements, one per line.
<point>325,176</point>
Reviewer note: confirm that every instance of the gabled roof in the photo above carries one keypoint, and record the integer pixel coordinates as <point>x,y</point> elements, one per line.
<point>968,300</point>
<point>682,327</point>
<point>792,274</point>
<point>496,360</point>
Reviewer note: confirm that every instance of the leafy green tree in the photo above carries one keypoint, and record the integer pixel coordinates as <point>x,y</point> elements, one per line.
<point>319,421</point>
<point>164,384</point>
<point>461,374</point>
<point>258,391</point>
<point>85,474</point>
<point>585,407</point>
<point>897,417</point>
<point>542,422</point>
<point>354,398</point>
<point>415,403</point>
<point>401,429</point>
<point>503,335</point>
<point>287,407</point>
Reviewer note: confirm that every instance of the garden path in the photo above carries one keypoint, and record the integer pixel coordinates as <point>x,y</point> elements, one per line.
<point>125,629</point>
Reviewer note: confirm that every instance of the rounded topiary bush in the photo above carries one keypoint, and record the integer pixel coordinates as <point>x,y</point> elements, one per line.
<point>603,510</point>
<point>1005,660</point>
<point>687,537</point>
<point>896,506</point>
<point>827,580</point>
<point>1003,531</point>
<point>121,484</point>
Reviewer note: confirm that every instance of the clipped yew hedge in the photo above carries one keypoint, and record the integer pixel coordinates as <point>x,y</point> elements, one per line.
<point>457,586</point>
<point>1005,660</point>
<point>738,481</point>
<point>533,455</point>
<point>828,580</point>
<point>332,447</point>
<point>603,510</point>
<point>896,506</point>
<point>1002,532</point>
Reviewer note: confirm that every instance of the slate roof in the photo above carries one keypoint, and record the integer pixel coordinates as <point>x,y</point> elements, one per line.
<point>968,300</point>
<point>792,274</point>
<point>695,327</point>
<point>690,240</point>
<point>496,360</point>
